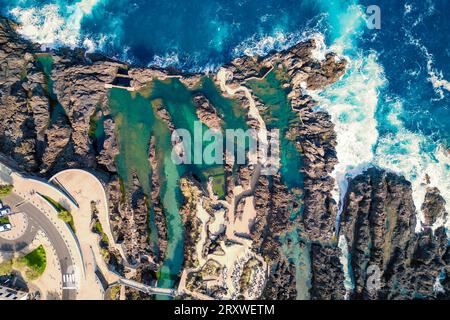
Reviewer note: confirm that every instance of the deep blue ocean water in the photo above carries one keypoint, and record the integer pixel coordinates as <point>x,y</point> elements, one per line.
<point>391,109</point>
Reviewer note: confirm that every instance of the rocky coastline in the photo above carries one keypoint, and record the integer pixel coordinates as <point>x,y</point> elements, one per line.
<point>378,216</point>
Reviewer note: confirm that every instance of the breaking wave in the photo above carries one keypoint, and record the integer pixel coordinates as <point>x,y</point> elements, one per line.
<point>352,103</point>
<point>423,162</point>
<point>262,45</point>
<point>55,24</point>
<point>434,76</point>
<point>359,106</point>
<point>368,120</point>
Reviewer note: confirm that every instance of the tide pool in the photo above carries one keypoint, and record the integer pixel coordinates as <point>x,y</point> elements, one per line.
<point>279,115</point>
<point>390,110</point>
<point>136,121</point>
<point>57,112</point>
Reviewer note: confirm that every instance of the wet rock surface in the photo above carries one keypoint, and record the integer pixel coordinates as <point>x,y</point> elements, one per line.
<point>327,281</point>
<point>206,112</point>
<point>433,206</point>
<point>378,218</point>
<point>158,211</point>
<point>279,285</point>
<point>378,222</point>
<point>110,148</point>
<point>18,127</point>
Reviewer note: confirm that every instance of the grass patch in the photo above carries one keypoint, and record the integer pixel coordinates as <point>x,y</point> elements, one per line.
<point>36,260</point>
<point>67,217</point>
<point>54,203</point>
<point>218,186</point>
<point>217,175</point>
<point>104,241</point>
<point>4,220</point>
<point>34,263</point>
<point>97,228</point>
<point>114,292</point>
<point>92,126</point>
<point>246,276</point>
<point>63,213</point>
<point>5,190</point>
<point>6,268</point>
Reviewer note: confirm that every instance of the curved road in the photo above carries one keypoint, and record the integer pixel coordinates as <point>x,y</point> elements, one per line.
<point>37,220</point>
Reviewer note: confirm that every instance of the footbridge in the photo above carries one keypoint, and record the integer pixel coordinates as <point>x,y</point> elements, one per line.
<point>147,289</point>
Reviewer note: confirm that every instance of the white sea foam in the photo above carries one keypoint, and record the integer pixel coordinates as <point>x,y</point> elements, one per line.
<point>408,8</point>
<point>352,104</point>
<point>321,49</point>
<point>55,24</point>
<point>434,76</point>
<point>89,44</point>
<point>407,153</point>
<point>395,110</point>
<point>190,64</point>
<point>438,81</point>
<point>169,59</point>
<point>262,45</point>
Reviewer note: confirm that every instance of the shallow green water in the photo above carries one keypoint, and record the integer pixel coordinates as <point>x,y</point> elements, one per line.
<point>97,131</point>
<point>170,193</point>
<point>136,121</point>
<point>298,252</point>
<point>56,110</point>
<point>177,100</point>
<point>46,63</point>
<point>133,117</point>
<point>279,115</point>
<point>233,115</point>
<point>230,110</point>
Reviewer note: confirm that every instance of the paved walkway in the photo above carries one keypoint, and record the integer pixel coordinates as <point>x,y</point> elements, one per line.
<point>235,256</point>
<point>32,190</point>
<point>76,191</point>
<point>40,226</point>
<point>50,283</point>
<point>147,289</point>
<point>86,190</point>
<point>91,185</point>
